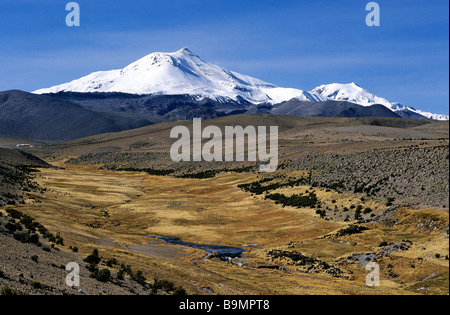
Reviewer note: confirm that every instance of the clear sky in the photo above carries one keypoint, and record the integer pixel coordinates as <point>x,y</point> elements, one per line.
<point>290,43</point>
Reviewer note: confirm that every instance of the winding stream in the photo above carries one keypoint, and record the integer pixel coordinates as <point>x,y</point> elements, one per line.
<point>223,252</point>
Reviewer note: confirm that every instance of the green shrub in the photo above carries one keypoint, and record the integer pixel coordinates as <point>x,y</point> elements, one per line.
<point>36,285</point>
<point>103,275</point>
<point>298,201</point>
<point>139,277</point>
<point>26,237</point>
<point>165,285</point>
<point>111,262</point>
<point>13,213</point>
<point>8,291</point>
<point>358,214</point>
<point>59,240</point>
<point>50,237</point>
<point>125,269</point>
<point>179,291</point>
<point>42,230</point>
<point>92,268</point>
<point>93,258</point>
<point>120,274</point>
<point>367,210</point>
<point>12,227</point>
<point>389,201</point>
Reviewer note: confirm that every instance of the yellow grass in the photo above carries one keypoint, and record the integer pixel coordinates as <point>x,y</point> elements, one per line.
<point>116,211</point>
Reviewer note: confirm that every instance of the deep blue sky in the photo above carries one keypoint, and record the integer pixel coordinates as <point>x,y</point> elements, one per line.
<point>290,43</point>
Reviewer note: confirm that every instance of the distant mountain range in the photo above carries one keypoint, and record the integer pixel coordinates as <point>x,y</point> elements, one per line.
<point>43,118</point>
<point>175,86</point>
<point>354,93</point>
<point>184,73</point>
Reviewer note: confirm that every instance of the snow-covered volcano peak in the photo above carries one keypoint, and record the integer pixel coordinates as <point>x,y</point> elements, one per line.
<point>181,72</point>
<point>184,73</point>
<point>183,59</point>
<point>186,51</point>
<point>350,92</point>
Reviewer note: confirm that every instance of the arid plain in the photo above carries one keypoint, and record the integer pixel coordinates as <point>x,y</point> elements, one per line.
<point>108,192</point>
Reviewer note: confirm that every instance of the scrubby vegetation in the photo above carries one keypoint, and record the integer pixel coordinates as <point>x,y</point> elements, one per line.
<point>167,286</point>
<point>306,264</point>
<point>258,189</point>
<point>298,201</point>
<point>150,171</point>
<point>17,172</point>
<point>407,176</point>
<point>27,230</point>
<point>213,173</point>
<point>105,275</point>
<point>200,175</point>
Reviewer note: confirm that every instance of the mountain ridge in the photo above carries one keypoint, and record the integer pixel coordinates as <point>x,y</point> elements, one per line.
<point>185,73</point>
<point>180,72</point>
<point>43,118</point>
<point>354,93</point>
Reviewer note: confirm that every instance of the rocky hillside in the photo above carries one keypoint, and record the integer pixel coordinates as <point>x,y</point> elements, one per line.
<point>410,176</point>
<point>33,262</point>
<point>46,119</point>
<point>15,175</point>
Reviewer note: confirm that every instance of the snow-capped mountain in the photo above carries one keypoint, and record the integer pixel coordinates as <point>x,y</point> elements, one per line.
<point>184,73</point>
<point>179,73</point>
<point>349,92</point>
<point>397,107</point>
<point>353,93</point>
